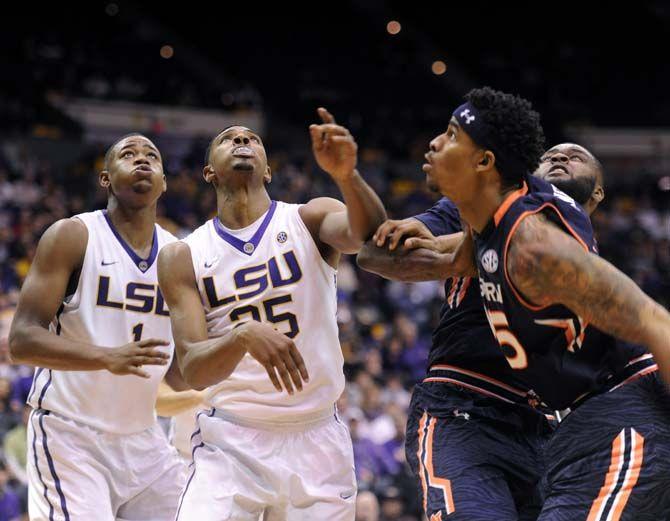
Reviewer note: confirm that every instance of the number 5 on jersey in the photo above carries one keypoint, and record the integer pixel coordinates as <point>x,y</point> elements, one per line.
<point>500,326</point>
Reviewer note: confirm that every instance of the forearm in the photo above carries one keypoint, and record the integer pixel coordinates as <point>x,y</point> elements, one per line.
<point>365,211</point>
<point>37,346</point>
<point>210,361</point>
<point>402,265</point>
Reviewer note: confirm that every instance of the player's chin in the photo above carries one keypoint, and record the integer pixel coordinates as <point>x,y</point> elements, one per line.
<point>431,184</point>
<point>142,188</point>
<point>243,166</point>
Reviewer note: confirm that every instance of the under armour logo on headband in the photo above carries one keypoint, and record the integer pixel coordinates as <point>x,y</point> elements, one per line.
<point>468,118</point>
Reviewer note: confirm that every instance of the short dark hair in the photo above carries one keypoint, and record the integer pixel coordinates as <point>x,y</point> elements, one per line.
<point>110,150</point>
<point>516,129</point>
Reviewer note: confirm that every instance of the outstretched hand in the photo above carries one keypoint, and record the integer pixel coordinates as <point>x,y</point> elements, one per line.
<point>335,149</point>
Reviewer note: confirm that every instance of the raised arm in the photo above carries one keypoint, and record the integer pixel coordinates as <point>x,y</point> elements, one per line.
<point>59,257</point>
<point>203,361</point>
<point>344,227</point>
<point>549,267</point>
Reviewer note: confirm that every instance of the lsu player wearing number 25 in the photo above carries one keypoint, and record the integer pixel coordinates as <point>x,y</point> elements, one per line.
<point>252,298</point>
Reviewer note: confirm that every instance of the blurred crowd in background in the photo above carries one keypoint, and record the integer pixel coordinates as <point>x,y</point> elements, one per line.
<point>385,327</point>
<point>381,86</point>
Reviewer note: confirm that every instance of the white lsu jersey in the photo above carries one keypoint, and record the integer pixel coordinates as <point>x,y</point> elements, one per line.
<point>116,301</point>
<point>278,276</point>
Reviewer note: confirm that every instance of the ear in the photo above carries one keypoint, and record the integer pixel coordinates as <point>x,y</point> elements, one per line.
<point>486,162</point>
<point>267,177</point>
<point>598,194</point>
<point>164,183</point>
<point>103,179</point>
<point>208,174</point>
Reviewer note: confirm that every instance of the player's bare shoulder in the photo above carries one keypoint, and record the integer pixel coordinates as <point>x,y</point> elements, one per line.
<point>64,242</point>
<point>175,265</point>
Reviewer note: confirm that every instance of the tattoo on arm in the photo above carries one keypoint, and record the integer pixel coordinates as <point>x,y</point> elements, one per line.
<point>548,266</point>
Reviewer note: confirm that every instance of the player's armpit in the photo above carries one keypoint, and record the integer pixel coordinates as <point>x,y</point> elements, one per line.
<point>547,267</point>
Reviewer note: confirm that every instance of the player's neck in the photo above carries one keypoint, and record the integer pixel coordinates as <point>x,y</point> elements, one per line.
<point>241,208</point>
<point>136,226</point>
<point>479,212</point>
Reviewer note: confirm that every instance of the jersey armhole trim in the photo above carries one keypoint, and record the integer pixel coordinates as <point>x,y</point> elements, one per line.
<point>302,224</point>
<point>67,299</point>
<point>525,214</point>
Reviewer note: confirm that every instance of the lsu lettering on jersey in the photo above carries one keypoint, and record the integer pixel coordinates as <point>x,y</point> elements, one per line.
<point>551,349</point>
<point>276,276</point>
<point>116,301</point>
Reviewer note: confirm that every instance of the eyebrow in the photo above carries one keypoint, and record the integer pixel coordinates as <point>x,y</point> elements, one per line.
<point>454,122</point>
<point>132,144</point>
<point>224,134</point>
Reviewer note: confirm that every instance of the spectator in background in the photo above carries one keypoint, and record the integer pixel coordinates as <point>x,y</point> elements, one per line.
<point>10,504</point>
<point>15,447</point>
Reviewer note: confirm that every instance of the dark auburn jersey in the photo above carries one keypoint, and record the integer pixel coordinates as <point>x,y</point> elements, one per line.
<point>550,348</point>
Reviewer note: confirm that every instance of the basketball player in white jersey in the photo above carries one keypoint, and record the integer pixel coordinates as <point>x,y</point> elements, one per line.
<point>93,322</point>
<point>252,296</point>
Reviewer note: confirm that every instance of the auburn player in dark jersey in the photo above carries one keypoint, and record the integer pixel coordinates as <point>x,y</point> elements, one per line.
<point>470,393</point>
<point>551,303</point>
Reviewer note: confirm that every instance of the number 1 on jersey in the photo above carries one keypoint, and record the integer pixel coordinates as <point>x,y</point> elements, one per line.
<point>137,332</point>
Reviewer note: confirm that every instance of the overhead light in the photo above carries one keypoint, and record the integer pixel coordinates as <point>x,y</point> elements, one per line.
<point>438,67</point>
<point>167,52</point>
<point>393,27</point>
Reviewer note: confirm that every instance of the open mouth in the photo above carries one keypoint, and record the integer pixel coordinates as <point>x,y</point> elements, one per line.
<point>558,170</point>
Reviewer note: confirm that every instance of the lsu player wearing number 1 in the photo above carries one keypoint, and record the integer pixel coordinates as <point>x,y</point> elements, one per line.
<point>95,450</point>
<point>252,296</point>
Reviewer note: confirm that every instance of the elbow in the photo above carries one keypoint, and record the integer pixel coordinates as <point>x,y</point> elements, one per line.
<point>190,373</point>
<point>17,343</point>
<point>197,373</point>
<point>192,378</point>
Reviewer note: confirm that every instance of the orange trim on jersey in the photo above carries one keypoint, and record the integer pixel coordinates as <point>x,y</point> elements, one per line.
<point>634,468</point>
<point>509,237</point>
<point>467,386</point>
<point>464,288</point>
<point>639,358</point>
<point>480,376</point>
<point>452,290</point>
<point>433,480</point>
<point>643,372</point>
<point>611,478</point>
<point>419,454</point>
<point>505,206</point>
